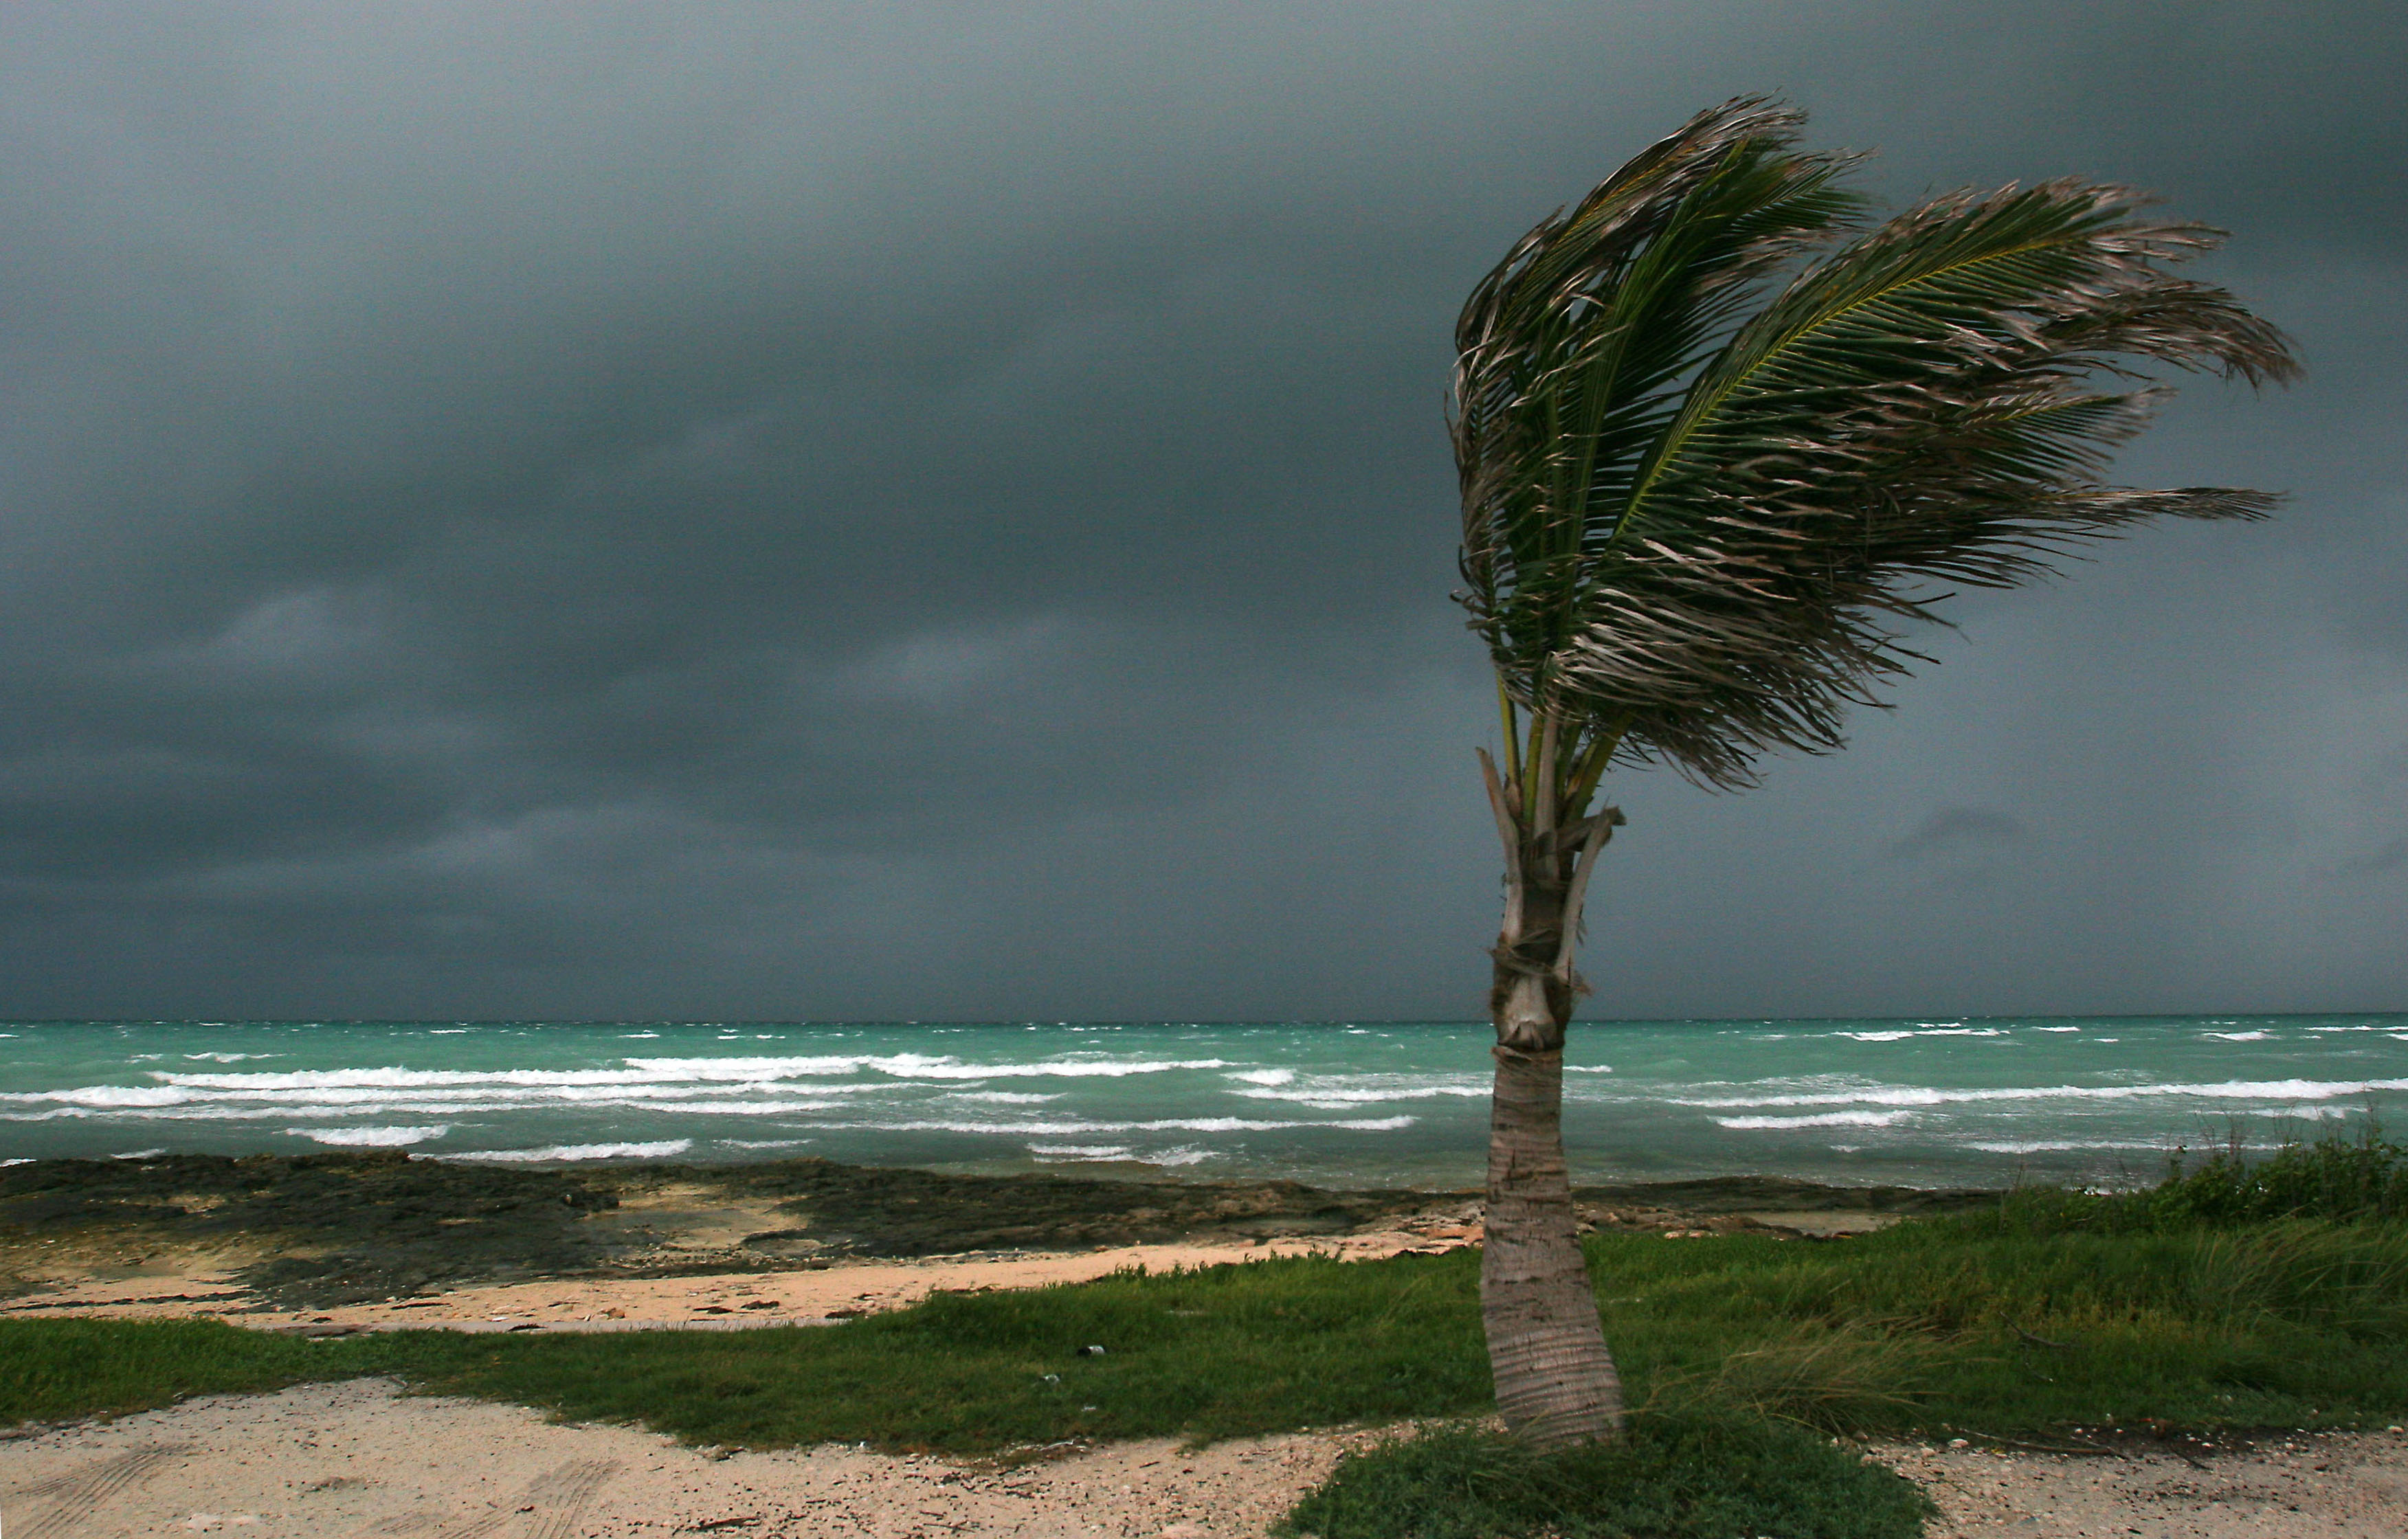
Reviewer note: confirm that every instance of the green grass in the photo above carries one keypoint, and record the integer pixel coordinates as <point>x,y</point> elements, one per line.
<point>1230,1350</point>
<point>1672,1478</point>
<point>1979,1322</point>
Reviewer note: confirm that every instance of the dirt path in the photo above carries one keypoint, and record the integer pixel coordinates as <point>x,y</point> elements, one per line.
<point>838,1291</point>
<point>2336,1486</point>
<point>359,1460</point>
<point>334,1462</point>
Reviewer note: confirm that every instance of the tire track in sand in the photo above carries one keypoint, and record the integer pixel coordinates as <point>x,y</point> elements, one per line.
<point>80,1493</point>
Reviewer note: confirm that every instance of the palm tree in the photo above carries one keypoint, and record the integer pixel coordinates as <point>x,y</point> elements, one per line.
<point>1699,505</point>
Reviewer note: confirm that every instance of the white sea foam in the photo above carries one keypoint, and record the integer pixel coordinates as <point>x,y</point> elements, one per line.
<point>1876,1036</point>
<point>765,1142</point>
<point>374,1138</point>
<point>2059,1146</point>
<point>1819,1120</point>
<point>1337,1093</point>
<point>139,1154</point>
<point>1002,1098</point>
<point>224,1057</point>
<point>1917,1095</point>
<point>1264,1076</point>
<point>99,1095</point>
<point>1588,1068</point>
<point>2241,1037</point>
<point>661,1151</point>
<point>1059,1153</point>
<point>1165,1124</point>
<point>2056,1028</point>
<point>22,1159</point>
<point>686,1071</point>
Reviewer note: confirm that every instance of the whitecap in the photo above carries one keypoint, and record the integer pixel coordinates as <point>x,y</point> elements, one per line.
<point>1167,1124</point>
<point>374,1138</point>
<point>1182,1156</point>
<point>1915,1095</point>
<point>2240,1036</point>
<point>584,1151</point>
<point>1264,1076</point>
<point>2053,1146</point>
<point>1339,1099</point>
<point>109,1096</point>
<point>1819,1120</point>
<point>139,1154</point>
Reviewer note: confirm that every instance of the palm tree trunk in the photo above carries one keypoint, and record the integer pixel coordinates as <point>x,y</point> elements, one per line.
<point>1555,1381</point>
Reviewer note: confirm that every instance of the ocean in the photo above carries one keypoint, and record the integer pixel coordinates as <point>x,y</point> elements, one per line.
<point>1923,1103</point>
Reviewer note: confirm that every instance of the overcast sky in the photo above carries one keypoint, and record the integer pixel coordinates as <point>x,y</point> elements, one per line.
<point>941,511</point>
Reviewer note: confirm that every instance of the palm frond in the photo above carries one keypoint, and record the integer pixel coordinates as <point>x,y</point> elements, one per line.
<point>1695,535</point>
<point>1571,351</point>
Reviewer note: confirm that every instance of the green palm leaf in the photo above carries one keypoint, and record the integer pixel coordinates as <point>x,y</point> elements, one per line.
<point>1690,534</point>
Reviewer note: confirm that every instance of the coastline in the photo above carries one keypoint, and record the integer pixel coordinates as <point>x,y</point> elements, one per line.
<point>383,1240</point>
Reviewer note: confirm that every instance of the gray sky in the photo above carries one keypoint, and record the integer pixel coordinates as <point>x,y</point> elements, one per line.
<point>940,511</point>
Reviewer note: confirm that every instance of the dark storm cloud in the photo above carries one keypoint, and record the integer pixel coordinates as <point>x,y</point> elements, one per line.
<point>941,511</point>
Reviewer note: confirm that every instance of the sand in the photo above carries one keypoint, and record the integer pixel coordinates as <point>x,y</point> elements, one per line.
<point>360,1458</point>
<point>2333,1486</point>
<point>706,1300</point>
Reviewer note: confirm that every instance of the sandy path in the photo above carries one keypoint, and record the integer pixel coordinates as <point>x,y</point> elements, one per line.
<point>359,1460</point>
<point>332,1461</point>
<point>765,1298</point>
<point>2338,1486</point>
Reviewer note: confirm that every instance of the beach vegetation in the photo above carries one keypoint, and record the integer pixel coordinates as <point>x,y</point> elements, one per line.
<point>1673,1477</point>
<point>2340,1178</point>
<point>1963,1325</point>
<point>1758,1367</point>
<point>1721,442</point>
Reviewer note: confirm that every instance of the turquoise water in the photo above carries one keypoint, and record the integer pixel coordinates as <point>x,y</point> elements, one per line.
<point>1934,1102</point>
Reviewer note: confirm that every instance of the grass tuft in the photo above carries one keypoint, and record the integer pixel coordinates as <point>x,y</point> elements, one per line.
<point>1672,1477</point>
